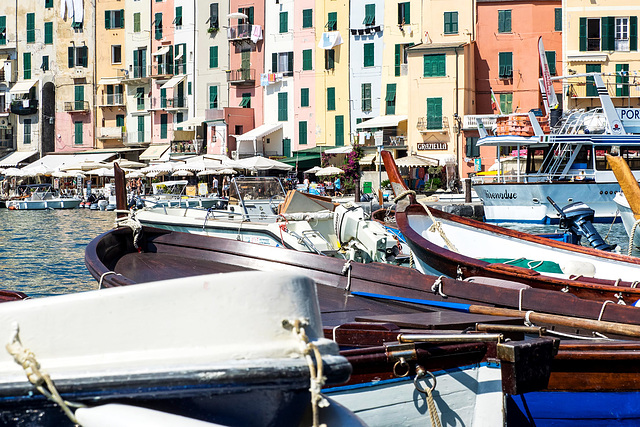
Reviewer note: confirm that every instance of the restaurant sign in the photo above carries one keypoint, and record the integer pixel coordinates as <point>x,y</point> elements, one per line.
<point>426,146</point>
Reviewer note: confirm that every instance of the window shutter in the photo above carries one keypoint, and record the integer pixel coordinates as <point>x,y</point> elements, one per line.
<point>434,113</point>
<point>213,56</point>
<point>551,60</point>
<point>339,130</point>
<point>307,18</point>
<point>71,51</point>
<point>558,19</point>
<point>633,33</point>
<point>213,15</point>
<point>179,15</point>
<point>84,56</point>
<point>136,22</point>
<point>583,34</point>
<point>213,97</point>
<point>397,53</point>
<point>121,18</point>
<point>26,59</point>
<point>307,63</point>
<point>284,22</point>
<point>608,28</point>
<point>290,62</point>
<point>304,97</point>
<point>507,21</point>
<point>3,30</point>
<point>331,98</point>
<point>407,14</point>
<point>107,19</point>
<point>302,133</point>
<point>158,25</point>
<point>48,32</point>
<point>31,27</point>
<point>282,107</point>
<point>622,79</point>
<point>250,14</point>
<point>274,62</point>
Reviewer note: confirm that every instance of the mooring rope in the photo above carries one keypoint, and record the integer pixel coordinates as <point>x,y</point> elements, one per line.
<point>631,236</point>
<point>131,222</point>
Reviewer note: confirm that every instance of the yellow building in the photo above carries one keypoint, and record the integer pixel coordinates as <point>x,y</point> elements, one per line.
<point>332,73</point>
<point>110,67</point>
<point>601,37</point>
<point>442,82</point>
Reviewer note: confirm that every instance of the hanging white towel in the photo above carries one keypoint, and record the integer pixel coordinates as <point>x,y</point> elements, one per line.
<point>256,33</point>
<point>63,8</point>
<point>69,9</point>
<point>78,11</point>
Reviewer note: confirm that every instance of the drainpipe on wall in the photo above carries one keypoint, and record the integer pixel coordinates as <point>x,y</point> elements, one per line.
<point>456,117</point>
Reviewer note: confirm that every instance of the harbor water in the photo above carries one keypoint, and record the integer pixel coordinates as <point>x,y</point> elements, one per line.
<point>42,252</point>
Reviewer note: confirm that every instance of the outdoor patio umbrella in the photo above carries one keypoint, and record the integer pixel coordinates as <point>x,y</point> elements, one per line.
<point>329,170</point>
<point>262,163</point>
<point>313,170</point>
<point>182,173</point>
<point>13,172</point>
<point>135,174</point>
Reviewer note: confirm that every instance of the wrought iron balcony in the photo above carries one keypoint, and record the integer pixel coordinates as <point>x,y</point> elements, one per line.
<point>432,124</point>
<point>112,100</point>
<point>23,107</point>
<point>76,106</point>
<point>242,76</point>
<point>115,132</point>
<point>239,32</point>
<point>162,70</point>
<point>138,137</point>
<point>471,121</point>
<point>137,73</point>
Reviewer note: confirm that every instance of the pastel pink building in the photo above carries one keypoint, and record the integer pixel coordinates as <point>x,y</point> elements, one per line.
<point>162,70</point>
<point>304,82</point>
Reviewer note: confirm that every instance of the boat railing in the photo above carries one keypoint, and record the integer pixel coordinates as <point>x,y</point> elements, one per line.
<point>572,176</point>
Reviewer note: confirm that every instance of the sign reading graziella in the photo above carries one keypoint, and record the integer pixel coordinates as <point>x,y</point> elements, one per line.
<point>425,146</point>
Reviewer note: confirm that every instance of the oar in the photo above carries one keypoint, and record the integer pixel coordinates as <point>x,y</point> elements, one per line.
<point>573,322</point>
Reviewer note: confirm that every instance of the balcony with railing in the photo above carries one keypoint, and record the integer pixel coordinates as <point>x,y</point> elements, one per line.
<point>112,100</point>
<point>76,107</point>
<point>114,132</point>
<point>432,124</point>
<point>239,32</point>
<point>24,107</point>
<point>242,77</point>
<point>162,69</point>
<point>138,137</point>
<point>137,73</point>
<point>180,68</point>
<point>176,103</point>
<point>470,122</point>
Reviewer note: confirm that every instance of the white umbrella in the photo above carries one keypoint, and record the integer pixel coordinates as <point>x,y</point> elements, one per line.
<point>225,172</point>
<point>263,163</point>
<point>199,163</point>
<point>340,150</point>
<point>225,160</point>
<point>207,172</point>
<point>66,174</point>
<point>124,163</point>
<point>160,167</point>
<point>38,170</point>
<point>103,172</point>
<point>135,174</point>
<point>182,173</point>
<point>84,166</point>
<point>156,174</point>
<point>329,170</point>
<point>237,15</point>
<point>416,161</point>
<point>14,172</point>
<point>313,169</point>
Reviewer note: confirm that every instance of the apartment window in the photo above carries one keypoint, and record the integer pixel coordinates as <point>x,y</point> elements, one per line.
<point>31,27</point>
<point>434,113</point>
<point>331,99</point>
<point>246,100</point>
<point>78,128</point>
<point>178,19</point>
<point>400,57</point>
<point>158,26</point>
<point>504,21</point>
<point>404,15</point>
<point>329,59</point>
<point>622,34</point>
<point>282,62</point>
<point>451,22</point>
<point>45,63</point>
<point>332,21</point>
<point>113,19</point>
<point>505,65</point>
<point>307,18</point>
<point>366,97</point>
<point>48,4</point>
<point>286,147</point>
<point>284,22</point>
<point>390,99</point>
<point>120,120</point>
<point>139,98</point>
<point>116,54</point>
<point>506,103</point>
<point>213,97</point>
<point>558,19</point>
<point>180,54</point>
<point>26,63</point>
<point>78,56</point>
<point>164,121</point>
<point>48,33</point>
<point>213,56</point>
<point>622,79</point>
<point>136,22</point>
<point>141,129</point>
<point>307,61</point>
<point>283,115</point>
<point>304,97</point>
<point>551,60</point>
<point>3,30</point>
<point>302,133</point>
<point>592,91</point>
<point>339,131</point>
<point>163,98</point>
<point>589,34</point>
<point>79,98</point>
<point>249,12</point>
<point>213,16</point>
<point>27,131</point>
<point>368,55</point>
<point>434,65</point>
<point>369,15</point>
<point>472,148</point>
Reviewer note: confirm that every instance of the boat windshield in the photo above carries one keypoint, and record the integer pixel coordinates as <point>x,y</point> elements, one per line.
<point>170,187</point>
<point>257,188</point>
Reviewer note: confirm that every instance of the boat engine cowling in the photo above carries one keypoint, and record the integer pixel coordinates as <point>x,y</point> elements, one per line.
<point>578,217</point>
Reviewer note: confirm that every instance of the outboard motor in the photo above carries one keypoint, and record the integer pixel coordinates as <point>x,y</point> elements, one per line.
<point>578,218</point>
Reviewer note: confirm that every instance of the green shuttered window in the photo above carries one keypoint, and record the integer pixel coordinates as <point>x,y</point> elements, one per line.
<point>331,99</point>
<point>366,97</point>
<point>283,114</point>
<point>307,56</point>
<point>506,103</point>
<point>26,63</point>
<point>339,131</point>
<point>505,64</point>
<point>78,128</point>
<point>332,21</point>
<point>369,59</point>
<point>213,97</point>
<point>451,22</point>
<point>404,14</point>
<point>284,22</point>
<point>304,97</point>
<point>302,133</point>
<point>136,22</point>
<point>3,30</point>
<point>178,18</point>
<point>164,121</point>
<point>31,27</point>
<point>213,56</point>
<point>434,113</point>
<point>434,65</point>
<point>158,26</point>
<point>551,60</point>
<point>48,33</point>
<point>307,18</point>
<point>369,14</point>
<point>558,19</point>
<point>504,21</point>
<point>622,79</point>
<point>591,86</point>
<point>390,99</point>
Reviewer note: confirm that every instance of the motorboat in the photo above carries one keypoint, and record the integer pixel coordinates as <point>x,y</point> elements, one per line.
<point>627,200</point>
<point>174,194</point>
<point>213,350</point>
<point>563,162</point>
<point>444,243</point>
<point>42,196</point>
<point>368,308</point>
<point>259,211</point>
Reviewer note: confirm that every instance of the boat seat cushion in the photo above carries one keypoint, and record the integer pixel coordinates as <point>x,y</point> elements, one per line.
<point>500,283</point>
<point>578,268</point>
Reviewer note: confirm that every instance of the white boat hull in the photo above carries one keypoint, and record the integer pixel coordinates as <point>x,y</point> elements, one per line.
<point>44,204</point>
<point>527,202</point>
<point>628,219</point>
<point>468,396</point>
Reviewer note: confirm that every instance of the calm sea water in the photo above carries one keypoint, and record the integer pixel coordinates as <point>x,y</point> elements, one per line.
<point>42,252</point>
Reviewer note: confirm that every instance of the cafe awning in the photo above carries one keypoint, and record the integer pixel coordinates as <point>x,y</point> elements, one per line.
<point>22,87</point>
<point>110,81</point>
<point>259,132</point>
<point>173,81</point>
<point>15,158</point>
<point>154,152</point>
<point>161,51</point>
<point>382,122</point>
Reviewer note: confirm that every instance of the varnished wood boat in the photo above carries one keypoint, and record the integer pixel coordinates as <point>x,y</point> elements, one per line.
<point>462,247</point>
